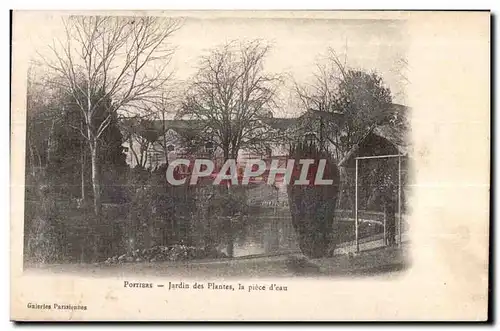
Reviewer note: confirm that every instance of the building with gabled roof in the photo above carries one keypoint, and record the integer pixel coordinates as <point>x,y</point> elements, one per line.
<point>384,139</point>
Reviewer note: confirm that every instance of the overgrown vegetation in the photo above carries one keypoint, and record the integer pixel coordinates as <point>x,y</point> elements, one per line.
<point>85,204</point>
<point>313,207</point>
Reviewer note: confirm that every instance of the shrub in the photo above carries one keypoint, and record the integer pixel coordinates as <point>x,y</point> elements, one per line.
<point>313,207</point>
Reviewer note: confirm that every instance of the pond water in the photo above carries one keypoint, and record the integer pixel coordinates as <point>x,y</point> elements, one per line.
<point>270,231</point>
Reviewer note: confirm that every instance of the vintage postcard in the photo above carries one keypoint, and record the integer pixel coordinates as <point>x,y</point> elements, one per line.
<point>250,165</point>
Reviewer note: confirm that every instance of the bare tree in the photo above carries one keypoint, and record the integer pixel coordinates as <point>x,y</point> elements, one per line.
<point>360,99</point>
<point>147,131</point>
<point>43,114</point>
<point>121,60</point>
<point>141,134</point>
<point>231,95</point>
<point>164,108</point>
<point>37,120</point>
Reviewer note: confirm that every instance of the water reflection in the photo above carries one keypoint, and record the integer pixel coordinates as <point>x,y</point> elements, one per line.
<point>268,231</point>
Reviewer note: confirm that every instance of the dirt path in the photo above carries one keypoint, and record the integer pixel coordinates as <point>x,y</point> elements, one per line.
<point>287,265</point>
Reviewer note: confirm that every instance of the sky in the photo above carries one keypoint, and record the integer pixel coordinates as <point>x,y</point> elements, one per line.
<point>297,44</point>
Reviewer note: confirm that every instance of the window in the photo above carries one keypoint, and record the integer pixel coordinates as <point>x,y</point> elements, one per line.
<point>310,137</point>
<point>209,146</point>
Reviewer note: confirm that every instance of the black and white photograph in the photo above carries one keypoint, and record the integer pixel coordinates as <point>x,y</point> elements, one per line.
<point>184,151</point>
<point>117,106</point>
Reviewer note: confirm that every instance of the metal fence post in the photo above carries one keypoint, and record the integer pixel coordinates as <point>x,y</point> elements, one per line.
<point>385,227</point>
<point>399,202</point>
<point>356,209</point>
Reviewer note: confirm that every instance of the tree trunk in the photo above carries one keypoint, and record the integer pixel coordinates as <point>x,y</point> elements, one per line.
<point>96,187</point>
<point>230,242</point>
<point>230,230</point>
<point>32,161</point>
<point>96,182</point>
<point>133,152</point>
<point>84,196</point>
<point>164,134</point>
<point>50,142</point>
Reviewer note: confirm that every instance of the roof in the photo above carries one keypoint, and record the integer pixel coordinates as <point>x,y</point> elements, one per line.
<point>187,128</point>
<point>331,116</point>
<point>192,126</point>
<point>394,132</point>
<point>281,123</point>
